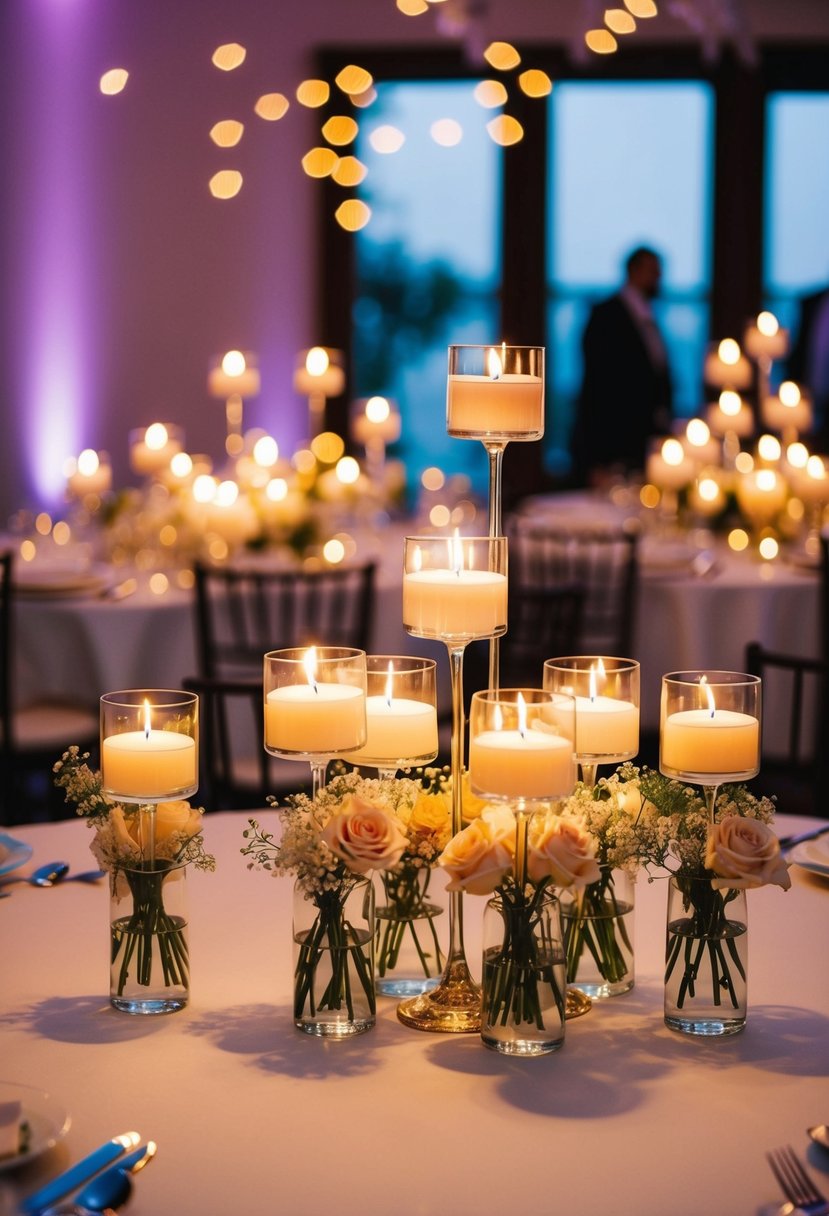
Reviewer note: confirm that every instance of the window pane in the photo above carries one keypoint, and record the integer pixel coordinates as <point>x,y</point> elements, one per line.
<point>428,264</point>
<point>796,244</point>
<point>629,164</point>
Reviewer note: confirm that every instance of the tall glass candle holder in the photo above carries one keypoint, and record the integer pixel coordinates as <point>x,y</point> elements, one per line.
<point>454,590</point>
<point>709,729</point>
<point>401,713</point>
<point>149,751</point>
<point>606,690</point>
<point>495,394</point>
<point>315,705</point>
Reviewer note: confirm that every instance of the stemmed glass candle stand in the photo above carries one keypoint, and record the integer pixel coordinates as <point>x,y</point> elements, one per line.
<point>495,394</point>
<point>607,707</point>
<point>454,590</point>
<point>522,753</point>
<point>709,729</point>
<point>315,705</point>
<point>401,714</point>
<point>149,754</point>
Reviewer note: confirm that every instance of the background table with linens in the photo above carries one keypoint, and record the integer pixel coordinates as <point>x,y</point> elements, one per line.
<point>251,1116</point>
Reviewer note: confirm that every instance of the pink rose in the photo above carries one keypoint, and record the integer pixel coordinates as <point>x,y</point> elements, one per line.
<point>561,850</point>
<point>480,856</point>
<point>366,837</point>
<point>745,853</point>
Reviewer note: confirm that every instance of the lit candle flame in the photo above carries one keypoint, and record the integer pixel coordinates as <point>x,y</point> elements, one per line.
<point>417,559</point>
<point>309,662</point>
<point>497,718</point>
<point>455,553</point>
<point>522,715</point>
<point>597,672</point>
<point>147,719</point>
<point>709,694</point>
<point>390,684</point>
<point>494,365</point>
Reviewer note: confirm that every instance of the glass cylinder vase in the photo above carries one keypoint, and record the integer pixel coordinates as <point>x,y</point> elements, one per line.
<point>706,958</point>
<point>409,957</point>
<point>334,959</point>
<point>598,935</point>
<point>523,1011</point>
<point>149,951</point>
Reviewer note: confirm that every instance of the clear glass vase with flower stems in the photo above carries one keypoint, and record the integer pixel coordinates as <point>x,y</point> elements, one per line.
<point>706,957</point>
<point>598,934</point>
<point>334,959</point>
<point>150,954</point>
<point>409,956</point>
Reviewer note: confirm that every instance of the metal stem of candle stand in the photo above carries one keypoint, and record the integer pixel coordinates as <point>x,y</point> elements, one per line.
<point>454,1006</point>
<point>319,768</point>
<point>495,452</point>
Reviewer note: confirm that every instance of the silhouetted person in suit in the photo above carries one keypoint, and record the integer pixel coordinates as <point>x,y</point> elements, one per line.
<point>626,392</point>
<point>808,362</point>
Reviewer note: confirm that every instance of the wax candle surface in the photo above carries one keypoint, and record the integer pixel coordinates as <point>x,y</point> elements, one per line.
<point>466,604</point>
<point>400,729</point>
<point>148,764</point>
<point>512,764</point>
<point>316,720</point>
<point>511,405</point>
<point>221,384</point>
<point>606,726</point>
<point>695,741</point>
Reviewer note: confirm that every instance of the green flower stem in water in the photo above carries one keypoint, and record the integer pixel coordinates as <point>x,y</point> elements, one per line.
<point>333,937</point>
<point>707,930</point>
<point>525,960</point>
<point>405,909</point>
<point>149,927</point>
<point>596,921</point>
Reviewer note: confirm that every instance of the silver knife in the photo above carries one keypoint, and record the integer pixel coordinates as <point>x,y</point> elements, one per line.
<point>77,1174</point>
<point>787,842</point>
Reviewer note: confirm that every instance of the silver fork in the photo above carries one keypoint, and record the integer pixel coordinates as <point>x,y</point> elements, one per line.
<point>795,1183</point>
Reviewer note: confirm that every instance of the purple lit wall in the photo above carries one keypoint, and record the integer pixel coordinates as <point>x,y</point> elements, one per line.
<point>122,276</point>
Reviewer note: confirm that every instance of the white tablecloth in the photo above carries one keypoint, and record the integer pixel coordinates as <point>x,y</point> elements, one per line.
<point>252,1116</point>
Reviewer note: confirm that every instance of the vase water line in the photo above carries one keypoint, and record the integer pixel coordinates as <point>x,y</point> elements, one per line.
<point>333,934</point>
<point>523,973</point>
<point>706,958</point>
<point>149,949</point>
<point>409,958</point>
<point>598,932</point>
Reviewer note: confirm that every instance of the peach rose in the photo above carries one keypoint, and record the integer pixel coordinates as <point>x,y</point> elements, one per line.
<point>365,836</point>
<point>472,807</point>
<point>431,814</point>
<point>171,819</point>
<point>745,853</point>
<point>480,856</point>
<point>561,850</point>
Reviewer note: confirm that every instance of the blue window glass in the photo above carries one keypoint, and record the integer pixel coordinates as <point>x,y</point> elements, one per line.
<point>428,264</point>
<point>796,237</point>
<point>628,164</point>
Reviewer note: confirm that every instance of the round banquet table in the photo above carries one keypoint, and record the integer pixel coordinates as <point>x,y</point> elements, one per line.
<point>252,1116</point>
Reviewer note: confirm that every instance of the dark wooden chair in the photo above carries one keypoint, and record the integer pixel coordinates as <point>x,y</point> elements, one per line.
<point>241,614</point>
<point>602,563</point>
<point>795,766</point>
<point>32,736</point>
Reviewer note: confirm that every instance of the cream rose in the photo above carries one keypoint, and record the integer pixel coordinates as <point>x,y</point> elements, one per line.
<point>365,836</point>
<point>431,814</point>
<point>481,855</point>
<point>472,807</point>
<point>174,822</point>
<point>745,853</point>
<point>561,850</point>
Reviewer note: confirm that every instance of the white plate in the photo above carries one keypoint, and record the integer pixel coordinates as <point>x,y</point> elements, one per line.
<point>61,583</point>
<point>47,1119</point>
<point>812,855</point>
<point>12,853</point>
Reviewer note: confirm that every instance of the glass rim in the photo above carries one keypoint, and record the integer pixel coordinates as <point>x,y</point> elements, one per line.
<point>414,663</point>
<point>182,697</point>
<point>541,696</point>
<point>494,346</point>
<point>450,537</point>
<point>297,654</point>
<point>691,679</point>
<point>569,662</point>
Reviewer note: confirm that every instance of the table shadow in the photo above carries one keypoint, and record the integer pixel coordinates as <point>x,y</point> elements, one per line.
<point>81,1019</point>
<point>267,1034</point>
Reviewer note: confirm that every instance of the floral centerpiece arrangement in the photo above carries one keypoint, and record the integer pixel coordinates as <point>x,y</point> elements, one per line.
<point>149,936</point>
<point>330,844</point>
<point>711,865</point>
<point>518,863</point>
